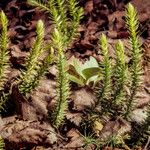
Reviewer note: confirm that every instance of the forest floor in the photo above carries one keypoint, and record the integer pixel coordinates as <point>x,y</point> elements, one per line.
<point>23,126</point>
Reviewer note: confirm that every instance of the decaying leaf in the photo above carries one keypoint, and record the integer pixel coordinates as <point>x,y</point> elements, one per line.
<point>22,132</point>
<point>83,98</point>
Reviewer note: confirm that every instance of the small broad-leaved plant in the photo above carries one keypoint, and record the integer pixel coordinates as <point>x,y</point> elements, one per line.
<point>84,74</point>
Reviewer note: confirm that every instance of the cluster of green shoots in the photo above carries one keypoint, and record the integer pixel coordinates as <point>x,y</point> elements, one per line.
<point>116,77</point>
<point>113,101</point>
<point>64,32</point>
<point>65,16</point>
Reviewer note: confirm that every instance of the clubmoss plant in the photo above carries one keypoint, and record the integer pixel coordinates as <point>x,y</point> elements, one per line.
<point>58,11</point>
<point>104,92</point>
<point>113,100</point>
<point>132,24</point>
<point>63,90</point>
<point>65,30</point>
<point>89,141</point>
<point>29,77</point>
<point>34,67</point>
<point>76,14</point>
<point>120,75</point>
<point>1,144</point>
<point>4,57</point>
<point>62,80</point>
<point>117,140</point>
<point>116,99</point>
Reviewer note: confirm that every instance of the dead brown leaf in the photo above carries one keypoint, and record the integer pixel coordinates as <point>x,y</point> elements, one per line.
<point>82,99</point>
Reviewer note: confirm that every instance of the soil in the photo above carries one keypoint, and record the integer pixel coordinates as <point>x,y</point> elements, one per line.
<point>25,125</point>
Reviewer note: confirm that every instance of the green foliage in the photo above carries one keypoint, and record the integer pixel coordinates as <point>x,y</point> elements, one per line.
<point>65,30</point>
<point>112,96</point>
<point>117,140</point>
<point>113,100</point>
<point>58,11</point>
<point>89,141</point>
<point>114,140</point>
<point>120,75</point>
<point>30,76</point>
<point>76,13</point>
<point>34,67</point>
<point>3,99</point>
<point>62,81</point>
<point>1,144</point>
<point>104,91</point>
<point>4,58</point>
<point>136,69</point>
<point>40,4</point>
<point>63,92</point>
<point>84,74</point>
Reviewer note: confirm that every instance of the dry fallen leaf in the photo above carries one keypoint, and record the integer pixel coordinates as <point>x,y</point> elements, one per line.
<point>76,139</point>
<point>75,118</point>
<point>20,131</point>
<point>83,98</point>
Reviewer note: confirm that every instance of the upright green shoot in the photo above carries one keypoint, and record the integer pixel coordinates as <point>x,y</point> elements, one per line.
<point>120,75</point>
<point>62,80</point>
<point>76,14</point>
<point>1,144</point>
<point>4,57</point>
<point>136,69</point>
<point>105,92</point>
<point>27,78</point>
<point>59,11</point>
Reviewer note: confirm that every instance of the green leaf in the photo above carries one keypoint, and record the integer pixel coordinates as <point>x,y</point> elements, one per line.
<point>90,72</point>
<point>73,78</point>
<point>90,68</point>
<point>81,73</point>
<point>93,79</point>
<point>78,67</point>
<point>92,63</point>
